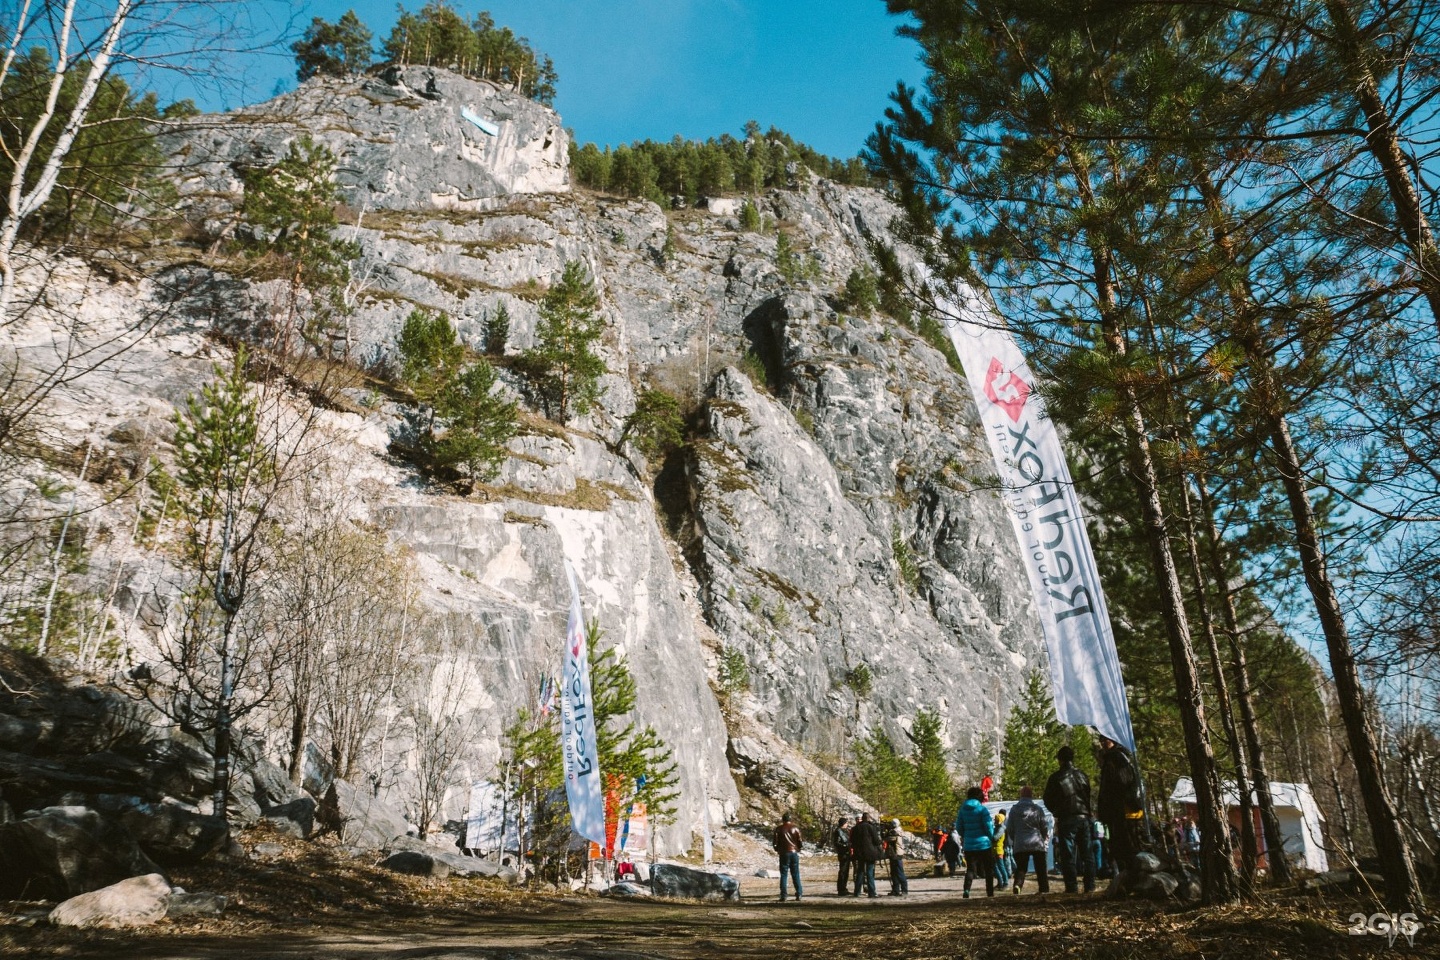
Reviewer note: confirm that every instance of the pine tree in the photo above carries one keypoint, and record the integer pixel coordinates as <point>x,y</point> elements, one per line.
<point>932,788</point>
<point>883,777</point>
<point>477,424</point>
<point>292,206</point>
<point>430,354</point>
<point>563,366</point>
<point>340,49</point>
<point>1032,735</point>
<point>656,426</point>
<point>497,331</point>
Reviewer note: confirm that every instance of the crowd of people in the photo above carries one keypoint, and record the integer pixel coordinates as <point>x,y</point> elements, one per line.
<point>1090,840</point>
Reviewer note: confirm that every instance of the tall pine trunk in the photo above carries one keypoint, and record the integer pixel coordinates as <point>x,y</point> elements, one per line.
<point>1402,886</point>
<point>1249,852</point>
<point>1279,867</point>
<point>1218,877</point>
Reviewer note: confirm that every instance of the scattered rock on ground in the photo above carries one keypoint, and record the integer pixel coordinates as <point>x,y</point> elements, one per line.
<point>180,904</point>
<point>626,888</point>
<point>133,902</point>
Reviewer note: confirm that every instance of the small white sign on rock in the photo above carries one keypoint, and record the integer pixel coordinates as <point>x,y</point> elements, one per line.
<point>136,902</point>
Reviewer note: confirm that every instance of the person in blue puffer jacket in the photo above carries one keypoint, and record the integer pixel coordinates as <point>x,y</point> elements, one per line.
<point>977,831</point>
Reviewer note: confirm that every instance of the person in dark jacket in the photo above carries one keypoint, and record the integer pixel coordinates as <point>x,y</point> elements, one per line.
<point>977,832</point>
<point>840,842</point>
<point>1119,807</point>
<point>867,847</point>
<point>787,844</point>
<point>1067,797</point>
<point>950,850</point>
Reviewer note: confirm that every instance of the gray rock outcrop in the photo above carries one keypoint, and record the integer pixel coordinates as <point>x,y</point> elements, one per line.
<point>373,126</point>
<point>60,852</point>
<point>367,821</point>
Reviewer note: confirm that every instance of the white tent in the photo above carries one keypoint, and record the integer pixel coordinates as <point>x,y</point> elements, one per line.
<point>1295,808</point>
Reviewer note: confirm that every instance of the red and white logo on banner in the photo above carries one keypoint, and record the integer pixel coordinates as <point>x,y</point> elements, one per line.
<point>1006,390</point>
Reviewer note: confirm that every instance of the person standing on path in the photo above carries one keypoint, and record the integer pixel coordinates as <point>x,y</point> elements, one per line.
<point>1029,829</point>
<point>840,842</point>
<point>1067,796</point>
<point>1002,850</point>
<point>893,836</point>
<point>950,850</point>
<point>977,831</point>
<point>787,844</point>
<point>867,847</point>
<point>1120,808</point>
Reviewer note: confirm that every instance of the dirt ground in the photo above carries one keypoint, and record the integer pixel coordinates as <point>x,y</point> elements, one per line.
<point>314,903</point>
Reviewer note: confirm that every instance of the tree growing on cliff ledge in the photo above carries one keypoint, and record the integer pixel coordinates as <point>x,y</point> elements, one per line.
<point>439,36</point>
<point>339,49</point>
<point>563,367</point>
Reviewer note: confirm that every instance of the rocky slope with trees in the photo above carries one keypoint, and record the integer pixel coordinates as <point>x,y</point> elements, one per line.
<point>771,490</point>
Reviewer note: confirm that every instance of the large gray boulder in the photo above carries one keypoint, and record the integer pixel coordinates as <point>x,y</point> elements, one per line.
<point>369,822</point>
<point>686,883</point>
<point>458,863</point>
<point>172,835</point>
<point>296,818</point>
<point>63,851</point>
<point>417,863</point>
<point>134,902</point>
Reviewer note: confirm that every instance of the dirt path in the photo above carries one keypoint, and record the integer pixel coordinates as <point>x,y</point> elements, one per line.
<point>932,922</point>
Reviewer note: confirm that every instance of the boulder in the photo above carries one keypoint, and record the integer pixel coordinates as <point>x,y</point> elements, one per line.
<point>19,734</point>
<point>268,850</point>
<point>673,880</point>
<point>458,863</point>
<point>180,767</point>
<point>60,852</point>
<point>369,823</point>
<point>283,826</point>
<point>264,782</point>
<point>1147,863</point>
<point>133,902</point>
<point>296,818</point>
<point>181,904</point>
<point>1153,886</point>
<point>626,888</point>
<point>416,863</point>
<point>172,835</point>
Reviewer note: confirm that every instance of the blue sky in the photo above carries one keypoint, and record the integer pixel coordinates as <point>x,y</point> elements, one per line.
<point>822,70</point>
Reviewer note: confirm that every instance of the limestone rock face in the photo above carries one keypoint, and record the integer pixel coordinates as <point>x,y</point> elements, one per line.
<point>398,146</point>
<point>828,524</point>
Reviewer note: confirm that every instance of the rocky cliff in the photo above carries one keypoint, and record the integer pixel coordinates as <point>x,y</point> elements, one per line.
<point>828,520</point>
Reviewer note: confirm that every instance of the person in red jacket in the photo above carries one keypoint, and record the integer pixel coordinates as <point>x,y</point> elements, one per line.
<point>787,844</point>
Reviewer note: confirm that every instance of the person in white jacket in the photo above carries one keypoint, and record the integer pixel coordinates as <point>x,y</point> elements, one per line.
<point>1029,828</point>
